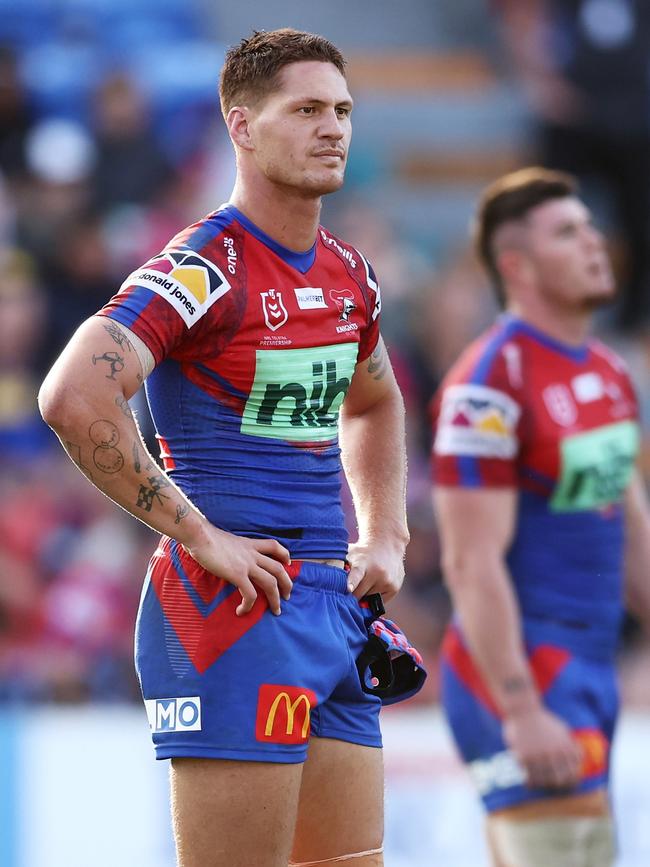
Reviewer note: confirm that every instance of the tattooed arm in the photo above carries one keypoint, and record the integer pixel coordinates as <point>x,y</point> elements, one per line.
<point>374,459</point>
<point>85,400</point>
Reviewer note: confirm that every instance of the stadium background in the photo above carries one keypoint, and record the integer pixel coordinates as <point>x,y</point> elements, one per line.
<point>111,140</point>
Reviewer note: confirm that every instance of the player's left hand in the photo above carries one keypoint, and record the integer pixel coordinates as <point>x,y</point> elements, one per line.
<point>376,567</point>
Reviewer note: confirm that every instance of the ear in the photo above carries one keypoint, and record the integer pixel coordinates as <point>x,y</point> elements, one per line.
<point>238,127</point>
<point>514,266</point>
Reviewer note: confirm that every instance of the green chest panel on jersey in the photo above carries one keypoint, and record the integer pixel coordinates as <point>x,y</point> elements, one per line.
<point>297,393</point>
<point>595,467</point>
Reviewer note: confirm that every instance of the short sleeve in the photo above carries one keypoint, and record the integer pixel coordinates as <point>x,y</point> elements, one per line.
<point>370,336</point>
<point>477,432</point>
<point>167,298</point>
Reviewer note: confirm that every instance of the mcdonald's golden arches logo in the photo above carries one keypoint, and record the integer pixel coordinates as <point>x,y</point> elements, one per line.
<point>284,713</point>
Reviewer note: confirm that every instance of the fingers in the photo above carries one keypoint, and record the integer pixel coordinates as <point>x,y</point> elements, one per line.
<point>284,583</point>
<point>272,548</point>
<point>248,597</point>
<point>557,770</point>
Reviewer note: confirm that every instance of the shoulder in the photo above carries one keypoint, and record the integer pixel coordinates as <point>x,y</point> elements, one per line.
<point>607,356</point>
<point>495,358</point>
<point>196,268</point>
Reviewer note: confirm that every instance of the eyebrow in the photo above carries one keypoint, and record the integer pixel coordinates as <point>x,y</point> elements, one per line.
<point>347,103</point>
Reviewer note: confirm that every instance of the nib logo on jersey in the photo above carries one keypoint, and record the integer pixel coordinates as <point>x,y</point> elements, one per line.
<point>344,300</point>
<point>190,282</point>
<point>297,393</point>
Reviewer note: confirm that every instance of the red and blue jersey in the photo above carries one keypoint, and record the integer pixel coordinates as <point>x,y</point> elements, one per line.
<point>255,346</point>
<point>559,424</point>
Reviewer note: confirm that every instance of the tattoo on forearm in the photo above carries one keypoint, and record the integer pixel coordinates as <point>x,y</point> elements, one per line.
<point>74,450</point>
<point>516,684</point>
<point>118,336</point>
<point>124,406</point>
<point>116,362</point>
<point>105,436</point>
<point>181,512</point>
<point>146,495</point>
<point>136,458</point>
<point>377,363</point>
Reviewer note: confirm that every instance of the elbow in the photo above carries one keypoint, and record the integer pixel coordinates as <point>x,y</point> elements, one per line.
<point>53,403</point>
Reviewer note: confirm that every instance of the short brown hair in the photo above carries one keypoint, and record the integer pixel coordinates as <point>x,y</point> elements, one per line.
<point>251,68</point>
<point>510,198</point>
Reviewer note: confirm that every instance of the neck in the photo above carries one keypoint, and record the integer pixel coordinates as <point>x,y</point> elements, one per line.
<point>290,219</point>
<point>567,326</point>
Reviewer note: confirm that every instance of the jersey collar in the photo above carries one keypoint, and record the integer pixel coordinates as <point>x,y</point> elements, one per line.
<point>300,261</point>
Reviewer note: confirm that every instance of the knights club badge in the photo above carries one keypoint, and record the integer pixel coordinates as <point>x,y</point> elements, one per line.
<point>275,313</point>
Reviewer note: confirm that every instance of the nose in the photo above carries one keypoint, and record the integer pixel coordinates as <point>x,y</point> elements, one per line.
<point>594,236</point>
<point>332,126</point>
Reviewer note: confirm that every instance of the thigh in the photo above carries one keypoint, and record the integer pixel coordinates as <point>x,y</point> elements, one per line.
<point>341,807</point>
<point>233,814</point>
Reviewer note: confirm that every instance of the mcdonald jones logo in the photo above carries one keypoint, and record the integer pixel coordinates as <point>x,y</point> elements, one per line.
<point>284,713</point>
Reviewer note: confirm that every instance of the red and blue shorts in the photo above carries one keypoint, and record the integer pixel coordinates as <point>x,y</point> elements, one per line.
<point>255,687</point>
<point>578,687</point>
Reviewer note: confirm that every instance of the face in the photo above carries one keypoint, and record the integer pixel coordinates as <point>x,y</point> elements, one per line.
<point>567,257</point>
<point>300,134</point>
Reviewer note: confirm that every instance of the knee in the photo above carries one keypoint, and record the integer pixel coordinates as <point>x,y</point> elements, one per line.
<point>560,841</point>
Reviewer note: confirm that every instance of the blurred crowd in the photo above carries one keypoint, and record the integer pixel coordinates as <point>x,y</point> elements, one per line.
<point>89,192</point>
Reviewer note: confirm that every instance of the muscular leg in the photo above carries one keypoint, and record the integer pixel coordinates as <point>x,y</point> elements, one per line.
<point>571,831</point>
<point>341,810</point>
<point>233,814</point>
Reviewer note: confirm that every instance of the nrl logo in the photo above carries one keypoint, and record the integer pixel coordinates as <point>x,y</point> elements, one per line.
<point>344,300</point>
<point>275,313</point>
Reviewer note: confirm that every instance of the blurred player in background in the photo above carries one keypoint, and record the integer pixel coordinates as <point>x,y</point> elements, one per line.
<point>544,528</point>
<point>256,331</point>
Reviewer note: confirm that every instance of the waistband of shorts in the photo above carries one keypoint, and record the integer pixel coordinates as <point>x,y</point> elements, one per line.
<point>320,576</point>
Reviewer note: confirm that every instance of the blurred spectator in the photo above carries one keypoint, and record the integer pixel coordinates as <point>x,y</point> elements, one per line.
<point>131,167</point>
<point>585,68</point>
<point>60,155</point>
<point>16,117</point>
<point>23,434</point>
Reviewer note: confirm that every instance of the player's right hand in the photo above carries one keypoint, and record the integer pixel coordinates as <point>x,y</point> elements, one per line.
<point>545,748</point>
<point>246,563</point>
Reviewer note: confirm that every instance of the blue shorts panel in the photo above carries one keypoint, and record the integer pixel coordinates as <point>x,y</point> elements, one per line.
<point>256,687</point>
<point>582,691</point>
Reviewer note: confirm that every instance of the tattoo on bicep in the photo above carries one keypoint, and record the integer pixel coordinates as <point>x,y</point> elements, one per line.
<point>181,512</point>
<point>115,361</point>
<point>378,363</point>
<point>147,494</point>
<point>136,458</point>
<point>118,335</point>
<point>74,450</point>
<point>123,404</point>
<point>105,437</point>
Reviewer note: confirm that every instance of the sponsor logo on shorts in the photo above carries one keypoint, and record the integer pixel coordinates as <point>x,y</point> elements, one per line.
<point>188,281</point>
<point>310,298</point>
<point>477,421</point>
<point>503,771</point>
<point>297,393</point>
<point>275,313</point>
<point>595,751</point>
<point>500,771</point>
<point>174,714</point>
<point>284,713</point>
